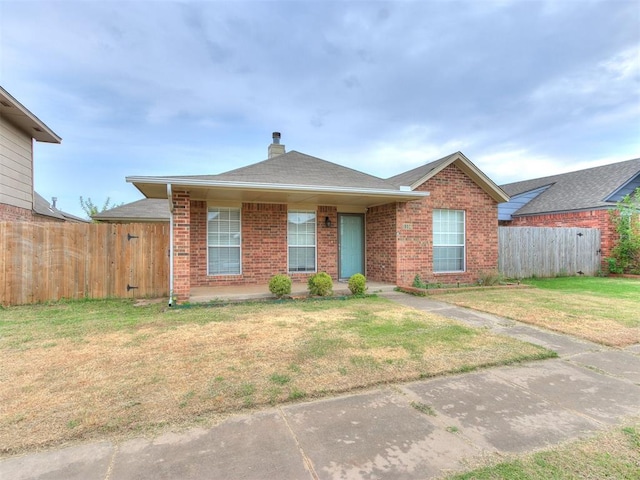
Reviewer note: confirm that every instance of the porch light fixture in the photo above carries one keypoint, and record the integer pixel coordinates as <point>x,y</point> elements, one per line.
<point>327,222</point>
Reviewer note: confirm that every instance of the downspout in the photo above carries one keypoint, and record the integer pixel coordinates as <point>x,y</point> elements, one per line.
<point>170,196</point>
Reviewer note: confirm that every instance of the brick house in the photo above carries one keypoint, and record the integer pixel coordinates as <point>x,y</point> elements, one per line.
<point>298,214</point>
<point>583,198</point>
<point>19,128</point>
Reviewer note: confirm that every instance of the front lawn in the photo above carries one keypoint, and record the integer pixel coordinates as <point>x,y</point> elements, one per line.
<point>94,369</point>
<point>602,310</point>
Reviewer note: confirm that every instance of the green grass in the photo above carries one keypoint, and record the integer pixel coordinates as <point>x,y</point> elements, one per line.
<point>602,310</point>
<point>614,454</point>
<point>623,288</point>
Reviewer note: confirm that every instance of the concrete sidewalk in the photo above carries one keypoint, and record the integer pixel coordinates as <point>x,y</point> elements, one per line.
<point>381,434</point>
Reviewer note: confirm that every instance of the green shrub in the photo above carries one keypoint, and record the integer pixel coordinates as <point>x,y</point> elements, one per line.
<point>357,284</point>
<point>280,285</point>
<point>418,283</point>
<point>320,284</point>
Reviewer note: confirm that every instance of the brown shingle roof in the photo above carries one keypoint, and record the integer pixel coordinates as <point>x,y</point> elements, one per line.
<point>295,168</point>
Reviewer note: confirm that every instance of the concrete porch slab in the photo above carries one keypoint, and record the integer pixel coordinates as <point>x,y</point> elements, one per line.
<point>256,292</point>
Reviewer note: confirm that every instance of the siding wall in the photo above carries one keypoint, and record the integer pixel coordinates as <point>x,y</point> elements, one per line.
<point>16,170</point>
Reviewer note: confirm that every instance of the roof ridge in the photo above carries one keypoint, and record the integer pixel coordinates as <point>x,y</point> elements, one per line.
<point>573,172</point>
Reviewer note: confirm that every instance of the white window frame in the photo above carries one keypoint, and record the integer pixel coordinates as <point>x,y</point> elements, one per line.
<point>463,245</point>
<point>239,246</point>
<point>315,241</point>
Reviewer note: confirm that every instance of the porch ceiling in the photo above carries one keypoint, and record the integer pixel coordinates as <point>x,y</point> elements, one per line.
<point>261,193</point>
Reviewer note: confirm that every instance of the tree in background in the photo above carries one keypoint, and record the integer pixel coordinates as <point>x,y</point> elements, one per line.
<point>91,209</point>
<point>625,255</point>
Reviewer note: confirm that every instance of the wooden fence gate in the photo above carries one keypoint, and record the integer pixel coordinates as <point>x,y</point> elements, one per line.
<point>524,252</point>
<point>41,262</point>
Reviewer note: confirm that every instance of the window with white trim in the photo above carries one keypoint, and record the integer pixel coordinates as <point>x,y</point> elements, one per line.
<point>223,241</point>
<point>448,241</point>
<point>301,237</point>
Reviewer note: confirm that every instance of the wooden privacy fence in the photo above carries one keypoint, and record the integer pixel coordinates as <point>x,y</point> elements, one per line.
<point>40,262</point>
<point>524,252</point>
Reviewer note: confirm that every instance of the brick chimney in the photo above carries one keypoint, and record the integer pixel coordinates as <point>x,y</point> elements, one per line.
<point>275,148</point>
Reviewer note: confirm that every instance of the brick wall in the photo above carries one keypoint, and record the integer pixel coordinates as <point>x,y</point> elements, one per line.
<point>181,245</point>
<point>15,214</point>
<point>587,219</point>
<point>450,189</point>
<point>400,236</point>
<point>264,245</point>
<point>382,254</point>
<point>327,241</point>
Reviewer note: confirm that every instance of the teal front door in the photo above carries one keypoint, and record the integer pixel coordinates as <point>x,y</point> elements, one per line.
<point>351,244</point>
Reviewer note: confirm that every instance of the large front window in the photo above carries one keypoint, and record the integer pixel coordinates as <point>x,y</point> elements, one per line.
<point>223,232</point>
<point>301,235</point>
<point>448,241</point>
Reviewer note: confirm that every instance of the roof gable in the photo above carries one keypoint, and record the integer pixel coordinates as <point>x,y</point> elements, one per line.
<point>416,177</point>
<point>591,188</point>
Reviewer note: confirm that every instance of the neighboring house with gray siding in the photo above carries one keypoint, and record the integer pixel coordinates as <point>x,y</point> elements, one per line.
<point>19,128</point>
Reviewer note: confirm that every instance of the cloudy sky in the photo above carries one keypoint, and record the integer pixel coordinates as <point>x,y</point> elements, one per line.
<point>525,88</point>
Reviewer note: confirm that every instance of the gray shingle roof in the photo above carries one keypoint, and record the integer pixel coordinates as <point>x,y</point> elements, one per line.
<point>412,176</point>
<point>145,210</point>
<point>42,207</point>
<point>295,168</point>
<point>580,190</point>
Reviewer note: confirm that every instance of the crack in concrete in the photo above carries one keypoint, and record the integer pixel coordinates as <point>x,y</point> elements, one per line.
<point>307,461</point>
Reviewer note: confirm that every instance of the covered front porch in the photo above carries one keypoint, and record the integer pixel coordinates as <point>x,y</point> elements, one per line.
<point>252,292</point>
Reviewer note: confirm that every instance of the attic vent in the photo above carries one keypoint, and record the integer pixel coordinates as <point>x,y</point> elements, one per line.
<point>5,104</point>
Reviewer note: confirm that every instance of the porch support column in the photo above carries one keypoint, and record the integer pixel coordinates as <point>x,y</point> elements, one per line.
<point>181,245</point>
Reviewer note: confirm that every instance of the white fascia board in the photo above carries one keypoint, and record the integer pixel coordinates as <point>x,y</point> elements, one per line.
<point>277,187</point>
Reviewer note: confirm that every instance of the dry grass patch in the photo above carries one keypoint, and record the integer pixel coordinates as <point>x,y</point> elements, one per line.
<point>94,369</point>
<point>609,321</point>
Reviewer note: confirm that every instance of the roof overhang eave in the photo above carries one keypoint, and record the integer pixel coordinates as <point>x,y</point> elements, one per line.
<point>19,114</point>
<point>391,195</point>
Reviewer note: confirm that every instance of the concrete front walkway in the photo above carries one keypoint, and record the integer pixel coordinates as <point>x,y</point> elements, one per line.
<point>380,434</point>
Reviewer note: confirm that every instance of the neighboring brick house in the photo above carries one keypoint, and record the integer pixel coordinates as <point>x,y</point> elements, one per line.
<point>297,214</point>
<point>583,199</point>
<point>19,128</point>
